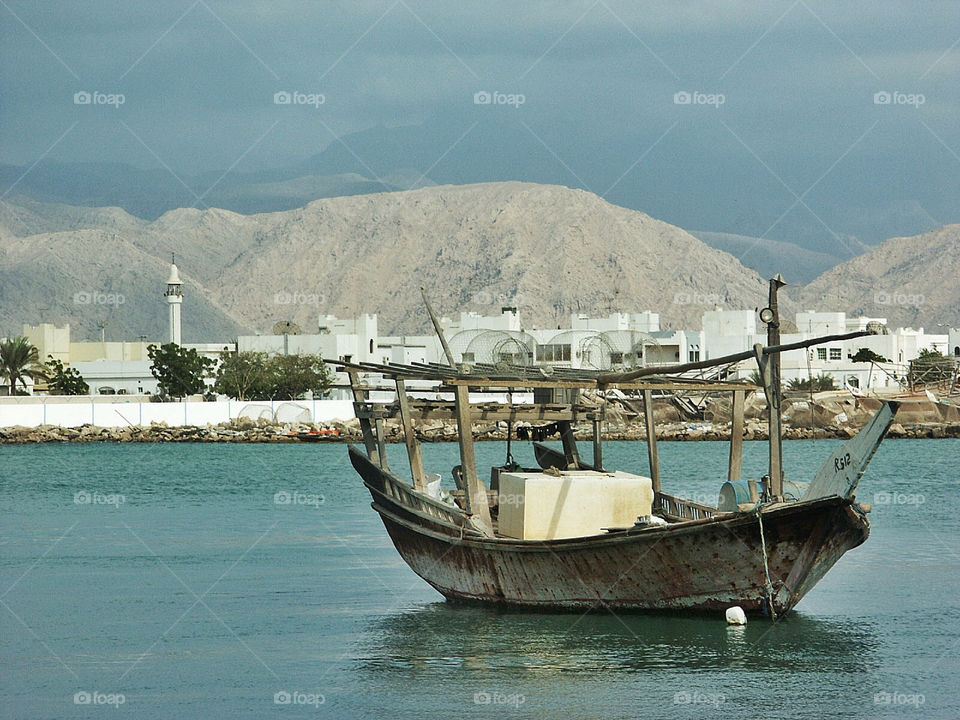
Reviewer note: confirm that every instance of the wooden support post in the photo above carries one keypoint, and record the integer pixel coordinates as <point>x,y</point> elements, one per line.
<point>736,436</point>
<point>381,442</point>
<point>775,488</point>
<point>476,495</point>
<point>413,447</point>
<point>651,441</point>
<point>597,443</point>
<point>570,451</point>
<point>359,402</point>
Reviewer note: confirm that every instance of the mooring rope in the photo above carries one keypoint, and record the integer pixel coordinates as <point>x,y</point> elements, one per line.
<point>766,565</point>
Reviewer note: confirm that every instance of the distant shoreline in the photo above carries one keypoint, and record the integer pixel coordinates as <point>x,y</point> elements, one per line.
<point>279,435</point>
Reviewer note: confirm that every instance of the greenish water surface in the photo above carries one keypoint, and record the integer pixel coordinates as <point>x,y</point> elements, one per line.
<point>166,576</point>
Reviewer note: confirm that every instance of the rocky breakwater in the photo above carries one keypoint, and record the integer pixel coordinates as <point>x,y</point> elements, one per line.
<point>827,415</point>
<point>240,430</point>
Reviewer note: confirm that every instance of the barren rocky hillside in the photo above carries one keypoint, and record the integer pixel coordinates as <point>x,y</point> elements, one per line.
<point>912,281</point>
<point>548,249</point>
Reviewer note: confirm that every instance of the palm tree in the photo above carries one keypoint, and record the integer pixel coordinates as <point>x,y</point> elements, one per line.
<point>18,360</point>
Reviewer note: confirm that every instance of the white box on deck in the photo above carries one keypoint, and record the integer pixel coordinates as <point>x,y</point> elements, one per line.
<point>579,503</point>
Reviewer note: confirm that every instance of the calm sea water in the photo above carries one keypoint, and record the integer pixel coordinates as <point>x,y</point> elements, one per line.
<point>167,576</point>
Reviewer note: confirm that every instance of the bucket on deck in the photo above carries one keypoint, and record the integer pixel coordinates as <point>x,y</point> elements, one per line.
<point>738,492</point>
<point>433,485</point>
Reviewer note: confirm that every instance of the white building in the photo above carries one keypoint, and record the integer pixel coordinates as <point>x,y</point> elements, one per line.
<point>351,340</point>
<point>407,349</point>
<point>726,332</point>
<point>118,367</point>
<point>117,377</point>
<point>599,343</point>
<point>466,329</point>
<point>618,340</point>
<point>645,322</point>
<point>677,346</point>
<point>507,321</point>
<point>729,332</point>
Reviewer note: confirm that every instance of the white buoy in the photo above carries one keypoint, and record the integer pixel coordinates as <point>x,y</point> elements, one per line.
<point>736,616</point>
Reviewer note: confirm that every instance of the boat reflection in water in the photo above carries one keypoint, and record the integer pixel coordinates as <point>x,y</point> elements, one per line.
<point>447,636</point>
<point>472,661</point>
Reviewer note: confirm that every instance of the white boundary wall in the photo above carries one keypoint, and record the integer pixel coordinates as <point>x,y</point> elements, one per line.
<point>125,413</point>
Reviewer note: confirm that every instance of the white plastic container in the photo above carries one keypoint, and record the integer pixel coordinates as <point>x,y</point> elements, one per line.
<point>577,503</point>
<point>433,485</point>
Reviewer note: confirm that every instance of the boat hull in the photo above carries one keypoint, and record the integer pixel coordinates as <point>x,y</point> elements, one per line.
<point>710,566</point>
<point>700,565</point>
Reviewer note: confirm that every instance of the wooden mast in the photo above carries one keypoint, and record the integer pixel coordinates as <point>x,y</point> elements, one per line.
<point>475,493</point>
<point>413,447</point>
<point>436,326</point>
<point>652,442</point>
<point>770,370</point>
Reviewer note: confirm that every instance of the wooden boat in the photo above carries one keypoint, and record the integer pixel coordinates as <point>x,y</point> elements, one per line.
<point>763,553</point>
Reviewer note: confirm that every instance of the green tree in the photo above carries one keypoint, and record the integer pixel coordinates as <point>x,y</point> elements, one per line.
<point>18,360</point>
<point>65,381</point>
<point>243,375</point>
<point>290,376</point>
<point>179,371</point>
<point>756,378</point>
<point>821,383</point>
<point>868,355</point>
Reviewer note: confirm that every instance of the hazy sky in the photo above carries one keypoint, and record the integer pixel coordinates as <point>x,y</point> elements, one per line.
<point>786,91</point>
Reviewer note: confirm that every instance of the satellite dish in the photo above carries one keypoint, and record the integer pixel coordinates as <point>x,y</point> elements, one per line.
<point>286,327</point>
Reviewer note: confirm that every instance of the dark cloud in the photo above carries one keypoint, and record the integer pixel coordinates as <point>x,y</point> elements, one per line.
<point>199,79</point>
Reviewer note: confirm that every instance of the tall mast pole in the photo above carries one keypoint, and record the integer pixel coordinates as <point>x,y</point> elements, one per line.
<point>772,388</point>
<point>436,326</point>
<point>478,505</point>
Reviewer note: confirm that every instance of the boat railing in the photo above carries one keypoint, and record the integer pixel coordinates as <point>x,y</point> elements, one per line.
<point>409,497</point>
<point>461,380</point>
<point>681,509</point>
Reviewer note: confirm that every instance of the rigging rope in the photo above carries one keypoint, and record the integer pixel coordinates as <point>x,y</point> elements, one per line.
<point>766,566</point>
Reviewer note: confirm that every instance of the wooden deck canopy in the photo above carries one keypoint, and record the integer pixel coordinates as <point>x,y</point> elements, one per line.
<point>460,379</point>
<point>492,377</point>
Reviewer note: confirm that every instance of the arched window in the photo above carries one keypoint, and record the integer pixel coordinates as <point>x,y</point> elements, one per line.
<point>956,351</point>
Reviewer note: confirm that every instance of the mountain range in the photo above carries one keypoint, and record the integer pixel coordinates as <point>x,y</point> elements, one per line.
<point>645,169</point>
<point>549,249</point>
<point>912,281</point>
